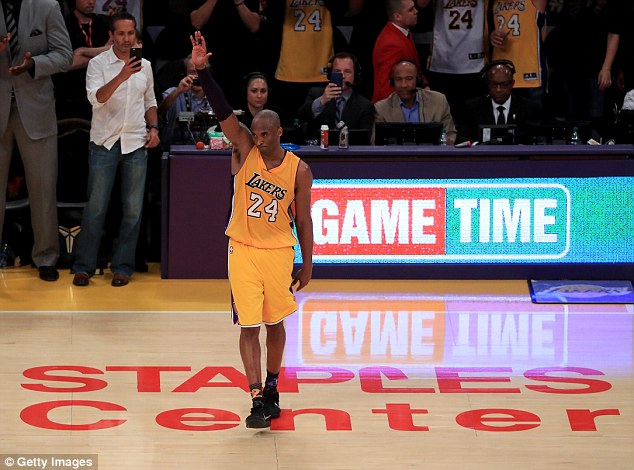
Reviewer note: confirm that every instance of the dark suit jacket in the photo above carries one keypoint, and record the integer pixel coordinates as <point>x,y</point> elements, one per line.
<point>358,113</point>
<point>479,111</point>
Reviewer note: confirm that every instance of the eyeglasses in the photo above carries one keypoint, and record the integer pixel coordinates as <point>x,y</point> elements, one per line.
<point>506,84</point>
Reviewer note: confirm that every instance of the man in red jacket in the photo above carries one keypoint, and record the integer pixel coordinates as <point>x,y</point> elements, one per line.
<point>393,44</point>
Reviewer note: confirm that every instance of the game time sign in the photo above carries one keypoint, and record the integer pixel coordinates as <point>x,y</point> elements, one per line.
<point>505,220</point>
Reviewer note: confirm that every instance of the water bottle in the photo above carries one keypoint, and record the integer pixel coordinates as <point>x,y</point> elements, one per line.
<point>443,137</point>
<point>343,135</point>
<point>574,138</point>
<point>4,255</point>
<point>324,137</point>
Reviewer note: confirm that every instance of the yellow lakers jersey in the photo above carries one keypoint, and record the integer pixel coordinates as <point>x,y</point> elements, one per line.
<point>260,214</point>
<point>522,45</point>
<point>306,42</point>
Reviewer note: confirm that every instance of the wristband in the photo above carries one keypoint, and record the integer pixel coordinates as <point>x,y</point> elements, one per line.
<point>152,126</point>
<point>239,3</point>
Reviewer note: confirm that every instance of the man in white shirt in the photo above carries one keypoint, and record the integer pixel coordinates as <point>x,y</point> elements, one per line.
<point>124,125</point>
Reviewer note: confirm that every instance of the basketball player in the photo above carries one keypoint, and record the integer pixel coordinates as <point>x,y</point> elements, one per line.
<point>269,184</point>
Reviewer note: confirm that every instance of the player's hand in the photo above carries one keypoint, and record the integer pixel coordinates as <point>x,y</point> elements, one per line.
<point>200,56</point>
<point>302,277</point>
<point>26,64</point>
<point>331,92</point>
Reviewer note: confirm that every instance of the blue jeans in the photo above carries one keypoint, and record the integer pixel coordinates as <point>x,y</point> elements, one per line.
<point>102,165</point>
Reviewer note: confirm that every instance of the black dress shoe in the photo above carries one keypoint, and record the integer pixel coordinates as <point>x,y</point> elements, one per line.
<point>48,273</point>
<point>81,279</point>
<point>120,280</point>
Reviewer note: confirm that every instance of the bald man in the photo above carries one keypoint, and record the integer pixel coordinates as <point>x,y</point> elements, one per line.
<point>411,103</point>
<point>271,195</point>
<point>499,106</point>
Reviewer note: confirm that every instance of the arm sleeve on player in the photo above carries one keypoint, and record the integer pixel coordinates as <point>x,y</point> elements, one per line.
<point>214,94</point>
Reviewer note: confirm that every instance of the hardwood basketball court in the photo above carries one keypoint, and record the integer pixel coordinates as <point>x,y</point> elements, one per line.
<point>378,374</point>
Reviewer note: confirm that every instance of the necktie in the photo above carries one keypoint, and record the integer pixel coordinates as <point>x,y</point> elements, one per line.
<point>501,119</point>
<point>341,104</point>
<point>12,27</point>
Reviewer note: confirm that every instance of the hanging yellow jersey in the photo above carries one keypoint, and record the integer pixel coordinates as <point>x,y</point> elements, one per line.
<point>522,44</point>
<point>306,42</point>
<point>260,213</point>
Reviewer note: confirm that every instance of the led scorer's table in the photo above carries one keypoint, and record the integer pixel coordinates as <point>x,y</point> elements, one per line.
<point>427,212</point>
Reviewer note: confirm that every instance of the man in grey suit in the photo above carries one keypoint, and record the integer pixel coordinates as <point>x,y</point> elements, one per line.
<point>27,113</point>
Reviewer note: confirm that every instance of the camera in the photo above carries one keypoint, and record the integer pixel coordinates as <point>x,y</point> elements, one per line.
<point>195,81</point>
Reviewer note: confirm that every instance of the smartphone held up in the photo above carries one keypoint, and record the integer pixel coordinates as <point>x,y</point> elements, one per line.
<point>336,78</point>
<point>137,54</point>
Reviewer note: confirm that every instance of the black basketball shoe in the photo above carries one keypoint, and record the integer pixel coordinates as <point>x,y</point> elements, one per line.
<point>271,399</point>
<point>258,417</point>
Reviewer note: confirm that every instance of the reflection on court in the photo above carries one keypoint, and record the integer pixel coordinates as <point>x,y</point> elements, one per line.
<point>409,329</point>
<point>376,374</point>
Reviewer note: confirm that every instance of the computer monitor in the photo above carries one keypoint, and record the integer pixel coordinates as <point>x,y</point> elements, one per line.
<point>556,132</point>
<point>355,137</point>
<point>407,133</point>
<point>498,134</point>
<point>193,126</point>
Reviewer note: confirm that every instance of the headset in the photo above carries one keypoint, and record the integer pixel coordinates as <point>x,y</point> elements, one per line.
<point>253,75</point>
<point>419,76</point>
<point>505,63</point>
<point>345,55</point>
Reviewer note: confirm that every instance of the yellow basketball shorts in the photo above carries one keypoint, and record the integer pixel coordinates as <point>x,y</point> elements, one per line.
<point>260,280</point>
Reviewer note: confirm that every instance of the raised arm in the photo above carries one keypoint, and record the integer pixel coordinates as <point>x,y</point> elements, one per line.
<point>240,136</point>
<point>105,91</point>
<point>250,18</point>
<point>200,16</point>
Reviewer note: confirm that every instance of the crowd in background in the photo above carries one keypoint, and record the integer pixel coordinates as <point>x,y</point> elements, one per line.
<point>575,37</point>
<point>262,58</point>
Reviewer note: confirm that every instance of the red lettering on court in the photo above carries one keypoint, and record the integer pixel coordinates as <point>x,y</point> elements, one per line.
<point>476,419</point>
<point>541,375</point>
<point>583,420</point>
<point>37,415</point>
<point>400,417</point>
<point>41,373</point>
<point>336,420</point>
<point>372,381</point>
<point>289,380</point>
<point>203,379</point>
<point>449,380</point>
<point>175,419</point>
<point>148,378</point>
